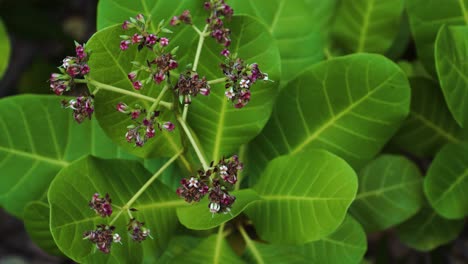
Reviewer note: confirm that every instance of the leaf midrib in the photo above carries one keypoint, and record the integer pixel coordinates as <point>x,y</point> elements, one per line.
<point>300,198</point>
<point>386,189</point>
<point>447,135</point>
<point>57,162</point>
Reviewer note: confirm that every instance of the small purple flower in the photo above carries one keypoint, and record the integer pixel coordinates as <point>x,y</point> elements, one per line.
<point>122,108</point>
<point>230,93</point>
<point>225,53</point>
<point>137,85</point>
<point>137,230</point>
<point>159,77</point>
<point>124,44</point>
<point>164,42</point>
<point>150,131</point>
<point>173,64</point>
<point>132,75</point>
<point>205,91</point>
<point>80,52</point>
<point>151,39</point>
<point>85,69</point>
<point>135,113</point>
<point>169,126</point>
<point>103,237</point>
<point>140,17</point>
<point>125,25</point>
<point>174,21</point>
<point>136,38</point>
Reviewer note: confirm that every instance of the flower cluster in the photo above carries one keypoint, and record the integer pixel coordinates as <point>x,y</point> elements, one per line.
<point>102,236</point>
<point>137,230</point>
<point>71,68</point>
<point>102,206</point>
<point>185,18</point>
<point>159,68</point>
<point>215,182</point>
<point>240,76</point>
<point>190,84</point>
<point>219,10</point>
<point>82,106</point>
<point>143,128</point>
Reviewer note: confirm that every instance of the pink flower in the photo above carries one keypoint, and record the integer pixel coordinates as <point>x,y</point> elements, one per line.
<point>159,77</point>
<point>173,64</point>
<point>169,126</point>
<point>135,114</point>
<point>137,85</point>
<point>131,76</point>
<point>124,44</point>
<point>122,107</point>
<point>137,38</point>
<point>84,69</point>
<point>125,25</point>
<point>174,21</point>
<point>151,39</point>
<point>205,91</point>
<point>140,17</point>
<point>225,53</point>
<point>164,42</point>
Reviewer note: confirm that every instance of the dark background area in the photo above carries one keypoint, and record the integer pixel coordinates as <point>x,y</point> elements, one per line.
<point>42,34</point>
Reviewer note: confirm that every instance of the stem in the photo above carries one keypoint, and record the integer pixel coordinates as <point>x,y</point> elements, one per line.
<point>242,153</point>
<point>251,245</point>
<point>197,30</point>
<point>219,241</point>
<point>201,40</point>
<point>199,48</point>
<point>143,188</point>
<point>193,142</point>
<point>103,86</point>
<point>185,112</point>
<point>219,80</point>
<point>158,99</point>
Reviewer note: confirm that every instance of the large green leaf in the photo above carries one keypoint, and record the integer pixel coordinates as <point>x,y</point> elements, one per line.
<point>199,217</point>
<point>451,52</point>
<point>367,25</point>
<point>220,127</point>
<point>427,230</point>
<point>392,183</point>
<point>304,197</point>
<point>426,17</point>
<point>348,105</point>
<point>74,186</point>
<point>300,28</point>
<point>36,222</point>
<point>179,245</point>
<point>430,124</point>
<point>212,250</point>
<point>346,245</point>
<point>447,181</point>
<point>43,138</point>
<point>110,65</point>
<point>4,49</point>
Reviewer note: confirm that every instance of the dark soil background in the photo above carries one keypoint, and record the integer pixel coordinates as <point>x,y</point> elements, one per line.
<point>42,34</point>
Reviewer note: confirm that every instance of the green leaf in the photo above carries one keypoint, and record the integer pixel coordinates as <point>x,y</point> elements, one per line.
<point>299,27</point>
<point>179,245</point>
<point>222,128</point>
<point>451,52</point>
<point>257,252</point>
<point>199,217</point>
<point>427,230</point>
<point>212,250</point>
<point>74,186</point>
<point>402,40</point>
<point>4,49</point>
<point>426,17</point>
<point>447,181</point>
<point>36,222</point>
<point>390,182</point>
<point>348,105</point>
<point>111,66</point>
<point>346,245</point>
<point>304,197</point>
<point>430,124</point>
<point>43,138</point>
<point>367,25</point>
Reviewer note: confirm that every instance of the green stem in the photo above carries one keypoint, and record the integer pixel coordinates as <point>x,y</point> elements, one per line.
<point>143,188</point>
<point>103,86</point>
<point>158,99</point>
<point>193,142</point>
<point>242,153</point>
<point>251,245</point>
<point>219,241</point>
<point>215,81</point>
<point>201,40</point>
